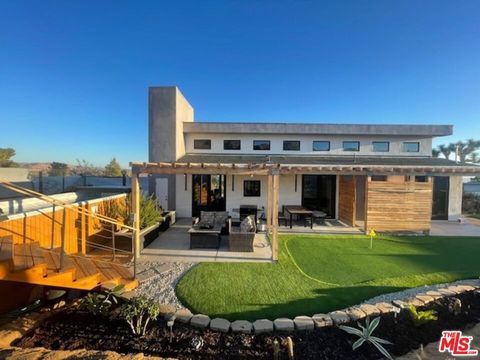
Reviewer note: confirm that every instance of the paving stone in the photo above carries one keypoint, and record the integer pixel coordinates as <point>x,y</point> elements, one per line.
<point>322,320</point>
<point>183,316</point>
<point>355,313</point>
<point>425,298</point>
<point>434,294</point>
<point>369,310</point>
<point>303,323</point>
<point>167,310</point>
<point>219,324</point>
<point>384,307</point>
<point>262,326</point>
<point>465,287</point>
<point>415,302</point>
<point>200,321</point>
<point>454,289</point>
<point>446,292</point>
<point>399,303</point>
<point>283,324</point>
<point>339,317</point>
<point>242,326</point>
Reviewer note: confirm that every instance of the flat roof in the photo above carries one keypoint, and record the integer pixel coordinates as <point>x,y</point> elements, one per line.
<point>323,129</point>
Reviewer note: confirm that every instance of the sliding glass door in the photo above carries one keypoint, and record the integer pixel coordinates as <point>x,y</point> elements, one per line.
<point>319,192</point>
<point>208,193</point>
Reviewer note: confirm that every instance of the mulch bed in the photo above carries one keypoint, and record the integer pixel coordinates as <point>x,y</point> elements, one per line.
<point>72,329</point>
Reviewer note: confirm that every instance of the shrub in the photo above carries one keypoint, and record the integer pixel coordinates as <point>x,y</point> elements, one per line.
<point>99,303</point>
<point>365,335</point>
<point>150,213</point>
<point>471,203</point>
<point>138,312</point>
<point>422,317</point>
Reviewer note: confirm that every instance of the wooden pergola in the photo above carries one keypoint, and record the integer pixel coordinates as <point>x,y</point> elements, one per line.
<point>273,171</point>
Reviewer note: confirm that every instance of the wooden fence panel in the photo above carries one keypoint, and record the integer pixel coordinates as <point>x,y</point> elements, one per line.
<point>395,206</point>
<point>346,199</point>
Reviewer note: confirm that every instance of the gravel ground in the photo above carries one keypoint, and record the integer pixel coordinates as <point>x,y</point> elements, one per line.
<point>158,281</point>
<point>406,294</point>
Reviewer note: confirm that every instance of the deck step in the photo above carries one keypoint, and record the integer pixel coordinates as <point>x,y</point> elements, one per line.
<point>33,264</point>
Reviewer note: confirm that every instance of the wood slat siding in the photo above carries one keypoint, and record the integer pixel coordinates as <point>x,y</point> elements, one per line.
<point>395,206</point>
<point>346,199</point>
<point>36,226</point>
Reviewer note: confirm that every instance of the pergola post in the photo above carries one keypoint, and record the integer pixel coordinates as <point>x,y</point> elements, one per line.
<point>269,202</point>
<point>136,215</point>
<point>276,187</point>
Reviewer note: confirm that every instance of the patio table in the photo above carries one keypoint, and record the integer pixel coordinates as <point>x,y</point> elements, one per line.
<point>301,211</point>
<point>204,238</point>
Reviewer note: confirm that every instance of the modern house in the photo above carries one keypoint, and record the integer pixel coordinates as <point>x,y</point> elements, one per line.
<point>371,176</point>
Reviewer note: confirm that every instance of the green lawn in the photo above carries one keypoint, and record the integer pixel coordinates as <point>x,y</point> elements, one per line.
<point>322,273</point>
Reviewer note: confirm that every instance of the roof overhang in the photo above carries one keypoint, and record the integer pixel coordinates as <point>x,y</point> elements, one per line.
<point>320,129</point>
<point>271,167</point>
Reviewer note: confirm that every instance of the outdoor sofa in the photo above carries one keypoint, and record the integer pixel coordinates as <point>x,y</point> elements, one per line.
<point>207,229</point>
<point>241,237</point>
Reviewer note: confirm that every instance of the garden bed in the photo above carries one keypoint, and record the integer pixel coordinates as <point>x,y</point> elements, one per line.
<point>72,329</point>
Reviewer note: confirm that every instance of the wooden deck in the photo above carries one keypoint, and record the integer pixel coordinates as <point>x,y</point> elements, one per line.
<point>30,263</point>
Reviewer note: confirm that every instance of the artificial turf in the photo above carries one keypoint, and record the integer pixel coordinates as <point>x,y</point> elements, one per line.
<point>320,273</point>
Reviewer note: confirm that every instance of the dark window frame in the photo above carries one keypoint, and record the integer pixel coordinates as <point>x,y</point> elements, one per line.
<point>379,178</point>
<point>202,148</point>
<point>411,143</point>
<point>320,141</point>
<point>348,141</point>
<point>421,178</point>
<point>249,192</point>
<point>292,142</point>
<point>380,142</point>
<point>227,141</point>
<point>267,141</point>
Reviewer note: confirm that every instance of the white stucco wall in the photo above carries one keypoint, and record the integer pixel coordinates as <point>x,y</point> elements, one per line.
<point>336,143</point>
<point>455,195</point>
<point>235,198</point>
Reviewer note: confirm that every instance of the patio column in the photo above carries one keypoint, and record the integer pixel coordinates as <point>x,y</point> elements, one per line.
<point>136,215</point>
<point>269,202</point>
<point>276,186</point>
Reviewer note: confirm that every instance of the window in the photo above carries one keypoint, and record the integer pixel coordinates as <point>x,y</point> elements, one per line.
<point>351,146</point>
<point>261,144</point>
<point>411,146</point>
<point>251,188</point>
<point>321,146</point>
<point>291,145</point>
<point>379,178</point>
<point>231,144</point>
<point>381,146</point>
<point>421,178</point>
<point>203,144</point>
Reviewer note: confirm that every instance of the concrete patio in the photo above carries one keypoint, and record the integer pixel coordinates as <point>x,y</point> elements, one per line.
<point>174,245</point>
<point>471,227</point>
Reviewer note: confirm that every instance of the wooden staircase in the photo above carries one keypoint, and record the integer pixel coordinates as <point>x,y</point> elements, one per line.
<point>30,263</point>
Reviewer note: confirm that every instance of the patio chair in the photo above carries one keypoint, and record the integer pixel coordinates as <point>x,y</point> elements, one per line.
<point>241,238</point>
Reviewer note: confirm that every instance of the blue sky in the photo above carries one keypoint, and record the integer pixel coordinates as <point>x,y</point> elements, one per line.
<point>74,74</point>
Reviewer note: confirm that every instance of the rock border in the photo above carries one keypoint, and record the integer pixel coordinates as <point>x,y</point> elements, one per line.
<point>333,318</point>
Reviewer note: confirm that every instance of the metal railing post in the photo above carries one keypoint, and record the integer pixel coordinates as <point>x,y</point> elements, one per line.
<point>62,248</point>
<point>113,240</point>
<point>53,228</point>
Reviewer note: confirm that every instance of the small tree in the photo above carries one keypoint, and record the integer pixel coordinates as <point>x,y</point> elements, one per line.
<point>58,169</point>
<point>113,168</point>
<point>138,312</point>
<point>83,167</point>
<point>5,157</point>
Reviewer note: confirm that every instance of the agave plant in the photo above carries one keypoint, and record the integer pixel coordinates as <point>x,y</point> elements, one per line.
<point>365,335</point>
